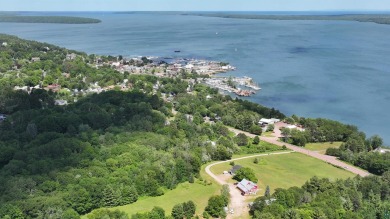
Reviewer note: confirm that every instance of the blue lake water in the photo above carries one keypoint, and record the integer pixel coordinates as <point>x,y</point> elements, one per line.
<point>333,69</point>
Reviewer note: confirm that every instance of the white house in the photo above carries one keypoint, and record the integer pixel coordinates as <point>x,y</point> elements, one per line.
<point>60,102</point>
<point>189,66</point>
<point>291,127</point>
<point>264,121</point>
<point>382,150</point>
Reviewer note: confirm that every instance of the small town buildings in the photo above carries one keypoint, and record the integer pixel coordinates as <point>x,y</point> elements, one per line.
<point>247,187</point>
<point>234,169</point>
<point>71,56</point>
<point>35,59</point>
<point>116,64</point>
<point>265,122</point>
<point>23,88</point>
<point>53,87</point>
<point>189,66</point>
<point>60,102</point>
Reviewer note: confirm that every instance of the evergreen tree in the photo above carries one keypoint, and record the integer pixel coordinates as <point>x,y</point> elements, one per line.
<point>267,192</point>
<point>178,211</point>
<point>256,140</point>
<point>189,209</point>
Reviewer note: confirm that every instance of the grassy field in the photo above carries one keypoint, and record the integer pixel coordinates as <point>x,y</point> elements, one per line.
<point>277,171</point>
<point>287,170</point>
<point>321,147</point>
<point>268,134</point>
<point>196,192</point>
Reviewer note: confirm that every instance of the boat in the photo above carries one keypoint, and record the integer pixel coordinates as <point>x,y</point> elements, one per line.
<point>177,51</point>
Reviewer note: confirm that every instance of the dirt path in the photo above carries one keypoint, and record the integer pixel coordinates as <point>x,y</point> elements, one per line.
<point>237,201</point>
<point>329,159</point>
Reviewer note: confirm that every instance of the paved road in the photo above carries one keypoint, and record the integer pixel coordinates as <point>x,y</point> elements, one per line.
<point>329,159</point>
<point>237,201</point>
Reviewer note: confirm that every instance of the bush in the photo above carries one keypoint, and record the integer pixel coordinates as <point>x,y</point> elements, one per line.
<point>245,173</point>
<point>270,128</point>
<point>215,206</point>
<point>256,140</point>
<point>255,129</point>
<point>333,152</point>
<point>241,139</point>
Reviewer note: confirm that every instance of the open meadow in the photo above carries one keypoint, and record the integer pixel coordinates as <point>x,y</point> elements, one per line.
<point>199,192</point>
<point>321,147</point>
<point>285,170</point>
<point>277,171</point>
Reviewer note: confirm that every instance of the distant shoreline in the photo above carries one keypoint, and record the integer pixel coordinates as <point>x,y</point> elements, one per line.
<point>374,18</point>
<point>7,18</point>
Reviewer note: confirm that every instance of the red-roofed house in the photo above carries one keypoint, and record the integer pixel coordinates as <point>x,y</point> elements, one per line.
<point>247,187</point>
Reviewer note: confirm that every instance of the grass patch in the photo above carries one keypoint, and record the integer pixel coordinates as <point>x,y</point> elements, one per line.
<point>262,147</point>
<point>260,153</point>
<point>197,192</point>
<point>321,147</point>
<point>268,134</point>
<point>286,170</point>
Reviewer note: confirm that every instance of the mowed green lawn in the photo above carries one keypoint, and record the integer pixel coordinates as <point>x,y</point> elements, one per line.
<point>321,147</point>
<point>277,171</point>
<point>184,192</point>
<point>286,170</point>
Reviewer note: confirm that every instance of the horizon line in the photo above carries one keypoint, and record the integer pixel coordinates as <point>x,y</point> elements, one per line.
<point>325,10</point>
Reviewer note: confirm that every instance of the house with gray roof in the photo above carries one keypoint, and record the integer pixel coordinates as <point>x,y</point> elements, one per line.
<point>234,169</point>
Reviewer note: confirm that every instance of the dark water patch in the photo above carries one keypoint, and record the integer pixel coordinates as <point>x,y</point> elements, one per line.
<point>299,50</point>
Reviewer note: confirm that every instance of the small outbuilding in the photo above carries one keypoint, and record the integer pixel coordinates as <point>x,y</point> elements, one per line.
<point>35,59</point>
<point>234,169</point>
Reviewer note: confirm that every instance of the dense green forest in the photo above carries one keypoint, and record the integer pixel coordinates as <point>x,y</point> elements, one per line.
<point>375,18</point>
<point>105,149</point>
<point>357,149</point>
<point>362,153</point>
<point>47,19</point>
<point>110,148</point>
<point>358,198</point>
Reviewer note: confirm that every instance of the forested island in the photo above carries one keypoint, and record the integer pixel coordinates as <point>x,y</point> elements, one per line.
<point>375,18</point>
<point>47,19</point>
<point>77,135</point>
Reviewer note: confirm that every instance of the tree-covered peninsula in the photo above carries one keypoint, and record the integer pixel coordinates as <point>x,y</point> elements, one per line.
<point>47,19</point>
<point>76,134</point>
<point>375,18</point>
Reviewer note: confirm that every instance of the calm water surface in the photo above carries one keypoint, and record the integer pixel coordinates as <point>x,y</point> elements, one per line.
<point>333,69</point>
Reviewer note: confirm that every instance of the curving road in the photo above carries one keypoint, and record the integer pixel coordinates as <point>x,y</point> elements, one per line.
<point>237,201</point>
<point>329,159</point>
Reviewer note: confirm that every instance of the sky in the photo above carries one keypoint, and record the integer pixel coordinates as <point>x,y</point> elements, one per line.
<point>194,5</point>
